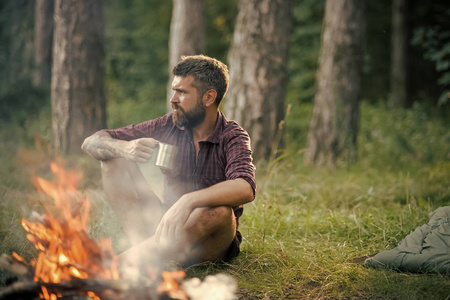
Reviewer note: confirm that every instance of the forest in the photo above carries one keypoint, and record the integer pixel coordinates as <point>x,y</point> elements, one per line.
<point>347,103</point>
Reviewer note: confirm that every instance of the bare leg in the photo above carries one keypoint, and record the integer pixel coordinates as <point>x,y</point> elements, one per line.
<point>137,208</point>
<point>209,232</point>
<point>206,236</point>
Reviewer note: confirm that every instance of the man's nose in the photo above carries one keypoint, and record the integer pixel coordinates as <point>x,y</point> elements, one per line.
<point>174,98</point>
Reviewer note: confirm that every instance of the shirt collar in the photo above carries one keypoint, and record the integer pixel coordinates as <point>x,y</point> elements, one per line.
<point>214,137</point>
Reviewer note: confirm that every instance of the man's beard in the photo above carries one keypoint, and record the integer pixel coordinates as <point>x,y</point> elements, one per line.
<point>189,119</point>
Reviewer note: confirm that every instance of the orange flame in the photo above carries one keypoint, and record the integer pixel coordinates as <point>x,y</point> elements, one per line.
<point>65,249</point>
<point>171,285</point>
<point>17,256</point>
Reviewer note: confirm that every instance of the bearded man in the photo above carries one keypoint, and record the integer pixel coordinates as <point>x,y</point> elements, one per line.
<point>197,217</point>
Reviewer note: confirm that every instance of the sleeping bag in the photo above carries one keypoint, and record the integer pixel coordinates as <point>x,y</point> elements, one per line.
<point>425,250</point>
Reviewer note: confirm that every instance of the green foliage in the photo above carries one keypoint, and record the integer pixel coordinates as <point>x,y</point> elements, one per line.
<point>220,20</point>
<point>136,45</point>
<point>136,48</point>
<point>20,101</point>
<point>16,40</point>
<point>436,43</point>
<point>396,138</point>
<point>390,138</point>
<point>375,83</point>
<point>304,50</point>
<point>132,112</point>
<point>297,125</point>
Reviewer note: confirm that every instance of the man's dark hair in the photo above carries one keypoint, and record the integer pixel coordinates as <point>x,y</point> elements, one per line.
<point>208,73</point>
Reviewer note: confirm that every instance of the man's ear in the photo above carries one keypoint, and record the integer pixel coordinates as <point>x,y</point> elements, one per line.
<point>209,97</point>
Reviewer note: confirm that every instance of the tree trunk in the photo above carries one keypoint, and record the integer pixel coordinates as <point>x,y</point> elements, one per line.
<point>43,39</point>
<point>334,124</point>
<point>78,93</point>
<point>187,34</point>
<point>399,54</point>
<point>258,70</point>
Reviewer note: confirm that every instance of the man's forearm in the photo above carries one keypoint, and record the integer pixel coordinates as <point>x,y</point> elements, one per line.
<point>229,193</point>
<point>102,146</point>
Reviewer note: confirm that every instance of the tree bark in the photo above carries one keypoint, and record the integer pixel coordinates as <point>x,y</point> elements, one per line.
<point>43,39</point>
<point>187,34</point>
<point>258,70</point>
<point>334,124</point>
<point>399,54</point>
<point>78,93</point>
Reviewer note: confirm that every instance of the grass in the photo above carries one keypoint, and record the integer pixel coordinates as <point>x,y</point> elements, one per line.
<point>306,224</point>
<point>305,229</point>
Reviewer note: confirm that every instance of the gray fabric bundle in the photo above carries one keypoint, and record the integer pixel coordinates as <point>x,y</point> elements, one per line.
<point>426,249</point>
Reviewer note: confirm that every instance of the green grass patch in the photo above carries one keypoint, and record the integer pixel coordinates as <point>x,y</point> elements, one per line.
<point>306,224</point>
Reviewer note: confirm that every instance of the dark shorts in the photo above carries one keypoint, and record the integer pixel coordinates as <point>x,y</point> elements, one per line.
<point>234,248</point>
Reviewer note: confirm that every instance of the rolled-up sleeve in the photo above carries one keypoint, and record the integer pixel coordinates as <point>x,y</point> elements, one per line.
<point>239,159</point>
<point>151,128</point>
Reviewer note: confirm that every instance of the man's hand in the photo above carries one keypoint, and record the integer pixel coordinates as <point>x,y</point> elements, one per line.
<point>173,221</point>
<point>139,150</point>
<point>227,193</point>
<point>103,147</point>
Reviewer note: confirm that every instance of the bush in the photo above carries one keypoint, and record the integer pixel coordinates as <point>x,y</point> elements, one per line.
<point>21,101</point>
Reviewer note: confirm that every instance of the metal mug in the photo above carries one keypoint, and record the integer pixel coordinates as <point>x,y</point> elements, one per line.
<point>165,158</point>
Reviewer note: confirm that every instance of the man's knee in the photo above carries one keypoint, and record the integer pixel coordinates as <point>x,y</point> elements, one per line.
<point>113,165</point>
<point>211,233</point>
<point>120,170</point>
<point>221,213</point>
<point>214,218</point>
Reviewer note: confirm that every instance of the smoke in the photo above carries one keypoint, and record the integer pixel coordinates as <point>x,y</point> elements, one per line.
<point>153,176</point>
<point>213,287</point>
<point>134,201</point>
<point>146,258</point>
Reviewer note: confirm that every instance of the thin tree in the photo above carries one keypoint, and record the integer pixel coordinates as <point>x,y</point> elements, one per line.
<point>334,125</point>
<point>399,54</point>
<point>78,92</point>
<point>187,34</point>
<point>43,39</point>
<point>258,70</point>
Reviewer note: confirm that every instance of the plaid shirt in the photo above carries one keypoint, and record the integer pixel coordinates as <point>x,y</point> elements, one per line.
<point>225,155</point>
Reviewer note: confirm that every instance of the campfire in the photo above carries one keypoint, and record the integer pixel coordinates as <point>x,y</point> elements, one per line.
<point>70,265</point>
